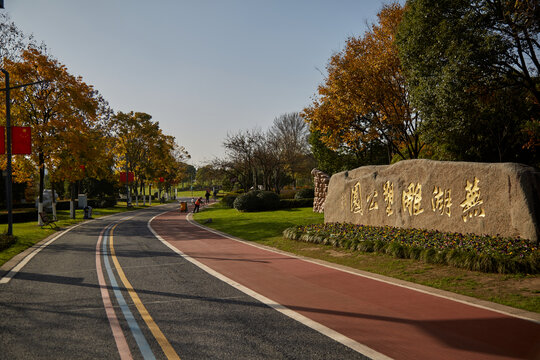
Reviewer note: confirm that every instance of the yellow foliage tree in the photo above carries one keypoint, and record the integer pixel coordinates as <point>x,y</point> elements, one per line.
<point>365,96</point>
<point>61,112</point>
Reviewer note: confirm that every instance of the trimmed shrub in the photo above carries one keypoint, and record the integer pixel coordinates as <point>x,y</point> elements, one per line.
<point>305,194</point>
<point>20,215</point>
<point>247,202</point>
<point>228,200</point>
<point>295,203</point>
<point>269,199</point>
<point>257,201</point>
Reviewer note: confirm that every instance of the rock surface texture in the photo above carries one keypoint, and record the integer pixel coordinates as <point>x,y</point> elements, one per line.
<point>481,198</point>
<point>320,181</point>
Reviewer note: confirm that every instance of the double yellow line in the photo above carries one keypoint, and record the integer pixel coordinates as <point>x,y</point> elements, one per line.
<point>158,334</point>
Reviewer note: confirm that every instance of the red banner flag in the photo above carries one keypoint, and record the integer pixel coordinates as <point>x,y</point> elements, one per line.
<point>21,140</point>
<point>161,179</point>
<point>2,140</point>
<point>123,176</point>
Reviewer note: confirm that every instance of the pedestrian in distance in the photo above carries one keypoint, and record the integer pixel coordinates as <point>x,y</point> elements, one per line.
<point>197,205</point>
<point>207,196</point>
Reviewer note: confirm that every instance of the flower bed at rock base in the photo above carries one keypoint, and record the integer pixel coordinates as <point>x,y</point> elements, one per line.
<point>474,252</point>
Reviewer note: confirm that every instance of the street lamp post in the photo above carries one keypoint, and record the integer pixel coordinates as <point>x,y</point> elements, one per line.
<point>9,171</point>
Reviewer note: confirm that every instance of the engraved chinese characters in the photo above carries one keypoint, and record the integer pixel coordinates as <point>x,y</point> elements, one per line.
<point>411,200</point>
<point>498,199</point>
<point>471,204</point>
<point>388,194</point>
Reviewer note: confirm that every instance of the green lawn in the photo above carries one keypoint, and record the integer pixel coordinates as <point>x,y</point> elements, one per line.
<point>519,291</point>
<point>195,193</point>
<point>262,227</point>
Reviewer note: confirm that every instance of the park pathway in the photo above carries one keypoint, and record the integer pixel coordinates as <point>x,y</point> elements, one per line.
<point>374,317</point>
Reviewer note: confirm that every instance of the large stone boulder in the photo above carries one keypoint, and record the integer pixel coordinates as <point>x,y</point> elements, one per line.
<point>482,198</point>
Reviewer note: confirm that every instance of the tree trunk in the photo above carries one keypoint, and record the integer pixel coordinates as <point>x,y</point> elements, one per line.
<point>53,203</point>
<point>150,195</point>
<point>143,190</point>
<point>72,200</point>
<point>41,185</point>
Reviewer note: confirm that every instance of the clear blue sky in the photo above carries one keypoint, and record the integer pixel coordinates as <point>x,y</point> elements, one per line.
<point>202,68</point>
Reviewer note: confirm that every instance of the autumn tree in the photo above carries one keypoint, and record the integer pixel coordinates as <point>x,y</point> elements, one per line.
<point>365,101</point>
<point>59,110</point>
<point>143,148</point>
<point>473,72</point>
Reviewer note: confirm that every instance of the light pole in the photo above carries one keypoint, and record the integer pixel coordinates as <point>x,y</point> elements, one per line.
<point>9,200</point>
<point>9,171</point>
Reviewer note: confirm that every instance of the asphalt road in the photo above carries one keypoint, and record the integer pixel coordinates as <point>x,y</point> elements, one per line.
<point>55,307</point>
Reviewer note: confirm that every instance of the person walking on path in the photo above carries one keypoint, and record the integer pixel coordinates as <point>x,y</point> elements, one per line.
<point>197,205</point>
<point>207,196</point>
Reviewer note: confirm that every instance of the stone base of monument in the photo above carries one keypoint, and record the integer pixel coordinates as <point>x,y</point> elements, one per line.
<point>481,198</point>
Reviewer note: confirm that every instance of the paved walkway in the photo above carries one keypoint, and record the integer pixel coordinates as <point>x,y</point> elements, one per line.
<point>397,322</point>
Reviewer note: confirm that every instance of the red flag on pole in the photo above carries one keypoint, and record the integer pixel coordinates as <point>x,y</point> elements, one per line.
<point>21,140</point>
<point>2,140</point>
<point>123,176</point>
<point>161,179</point>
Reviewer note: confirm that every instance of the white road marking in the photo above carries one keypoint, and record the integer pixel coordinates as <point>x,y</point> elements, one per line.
<point>353,344</point>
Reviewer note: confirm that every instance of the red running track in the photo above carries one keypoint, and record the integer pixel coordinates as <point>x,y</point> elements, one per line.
<point>398,322</point>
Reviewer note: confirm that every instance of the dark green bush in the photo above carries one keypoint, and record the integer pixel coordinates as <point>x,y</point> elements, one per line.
<point>305,194</point>
<point>295,203</point>
<point>228,200</point>
<point>63,205</point>
<point>105,202</point>
<point>270,200</point>
<point>20,215</point>
<point>247,202</point>
<point>257,201</point>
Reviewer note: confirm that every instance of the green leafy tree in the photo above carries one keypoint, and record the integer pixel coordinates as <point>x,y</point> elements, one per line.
<point>473,72</point>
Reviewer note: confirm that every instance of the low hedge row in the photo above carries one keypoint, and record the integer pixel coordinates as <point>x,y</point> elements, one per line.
<point>469,251</point>
<point>20,215</point>
<point>263,202</point>
<point>305,194</point>
<point>295,203</point>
